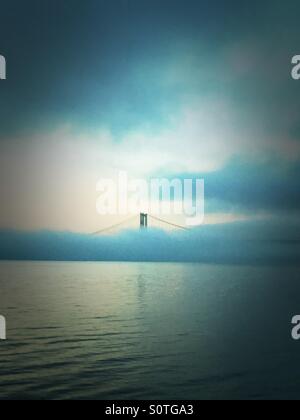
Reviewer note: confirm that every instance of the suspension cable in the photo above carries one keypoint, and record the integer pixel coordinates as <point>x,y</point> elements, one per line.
<point>168,223</point>
<point>99,232</point>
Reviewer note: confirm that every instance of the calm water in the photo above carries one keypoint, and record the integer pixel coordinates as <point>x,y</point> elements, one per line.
<point>148,331</point>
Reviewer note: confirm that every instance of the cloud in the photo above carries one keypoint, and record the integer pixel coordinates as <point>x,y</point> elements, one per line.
<point>50,179</point>
<point>269,186</point>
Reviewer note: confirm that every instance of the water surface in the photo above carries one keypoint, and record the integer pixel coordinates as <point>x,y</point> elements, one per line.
<point>148,331</point>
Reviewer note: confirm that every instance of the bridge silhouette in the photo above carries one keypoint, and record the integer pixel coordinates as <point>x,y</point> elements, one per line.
<point>143,221</point>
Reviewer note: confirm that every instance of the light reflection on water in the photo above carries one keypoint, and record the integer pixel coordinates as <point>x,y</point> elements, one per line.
<point>148,331</point>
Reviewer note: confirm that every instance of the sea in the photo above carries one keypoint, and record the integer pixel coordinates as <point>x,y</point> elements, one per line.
<point>154,331</point>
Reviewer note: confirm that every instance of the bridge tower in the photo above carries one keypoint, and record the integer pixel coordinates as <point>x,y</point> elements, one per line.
<point>143,221</point>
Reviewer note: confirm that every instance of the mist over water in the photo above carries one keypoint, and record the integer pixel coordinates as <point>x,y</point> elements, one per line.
<point>257,242</point>
<point>148,331</point>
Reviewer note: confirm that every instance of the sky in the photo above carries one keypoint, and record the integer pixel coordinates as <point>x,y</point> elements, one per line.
<point>156,88</point>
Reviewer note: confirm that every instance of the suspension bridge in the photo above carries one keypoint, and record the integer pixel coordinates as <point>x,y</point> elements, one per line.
<point>143,221</point>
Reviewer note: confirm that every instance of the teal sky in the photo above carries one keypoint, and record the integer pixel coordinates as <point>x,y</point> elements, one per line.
<point>177,88</point>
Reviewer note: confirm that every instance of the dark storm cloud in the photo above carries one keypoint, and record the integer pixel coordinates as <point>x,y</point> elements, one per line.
<point>84,61</point>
